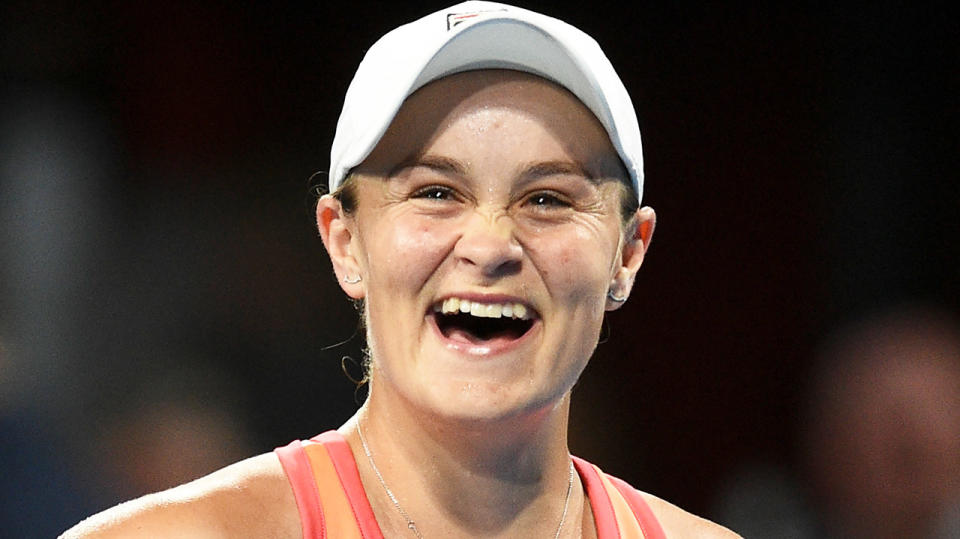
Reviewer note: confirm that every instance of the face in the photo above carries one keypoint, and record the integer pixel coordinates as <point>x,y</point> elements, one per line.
<point>487,233</point>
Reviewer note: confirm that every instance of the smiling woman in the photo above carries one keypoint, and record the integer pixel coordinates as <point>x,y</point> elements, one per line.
<point>489,188</point>
<point>480,174</point>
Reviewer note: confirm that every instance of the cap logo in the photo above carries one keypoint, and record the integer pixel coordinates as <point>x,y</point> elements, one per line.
<point>457,19</point>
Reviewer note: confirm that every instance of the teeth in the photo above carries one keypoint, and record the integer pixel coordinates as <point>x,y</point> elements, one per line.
<point>482,310</point>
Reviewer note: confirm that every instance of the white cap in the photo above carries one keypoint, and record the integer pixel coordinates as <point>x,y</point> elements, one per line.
<point>480,35</point>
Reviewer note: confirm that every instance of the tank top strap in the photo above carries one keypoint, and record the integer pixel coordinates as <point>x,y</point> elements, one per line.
<point>327,487</point>
<point>619,510</point>
<point>345,487</point>
<point>296,466</point>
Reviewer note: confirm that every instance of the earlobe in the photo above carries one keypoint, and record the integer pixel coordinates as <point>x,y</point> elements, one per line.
<point>335,231</point>
<point>635,246</point>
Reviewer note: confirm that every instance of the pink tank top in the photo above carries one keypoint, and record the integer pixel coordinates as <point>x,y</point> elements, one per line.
<point>333,504</point>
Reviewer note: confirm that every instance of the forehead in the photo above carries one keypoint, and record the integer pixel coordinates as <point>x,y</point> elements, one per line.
<point>433,109</point>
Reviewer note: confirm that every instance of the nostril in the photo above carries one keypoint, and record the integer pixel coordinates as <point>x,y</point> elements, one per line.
<point>492,249</point>
<point>508,267</point>
<point>494,262</point>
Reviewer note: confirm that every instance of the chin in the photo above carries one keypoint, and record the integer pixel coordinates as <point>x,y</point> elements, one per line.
<point>488,403</point>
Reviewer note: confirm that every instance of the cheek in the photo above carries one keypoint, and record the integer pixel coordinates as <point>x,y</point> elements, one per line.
<point>408,250</point>
<point>575,265</point>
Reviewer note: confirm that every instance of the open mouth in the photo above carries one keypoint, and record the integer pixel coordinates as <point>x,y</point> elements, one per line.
<point>475,322</point>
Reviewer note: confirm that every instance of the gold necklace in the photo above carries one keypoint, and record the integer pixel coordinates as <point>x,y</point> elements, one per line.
<point>411,525</point>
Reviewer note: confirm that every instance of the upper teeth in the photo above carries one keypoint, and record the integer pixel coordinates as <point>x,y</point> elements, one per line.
<point>483,310</point>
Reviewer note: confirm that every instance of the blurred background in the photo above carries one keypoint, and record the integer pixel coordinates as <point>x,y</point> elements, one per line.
<point>166,306</point>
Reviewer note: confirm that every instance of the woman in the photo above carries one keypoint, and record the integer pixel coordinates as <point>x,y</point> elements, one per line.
<point>486,178</point>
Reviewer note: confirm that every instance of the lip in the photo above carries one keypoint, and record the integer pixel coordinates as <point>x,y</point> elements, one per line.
<point>492,347</point>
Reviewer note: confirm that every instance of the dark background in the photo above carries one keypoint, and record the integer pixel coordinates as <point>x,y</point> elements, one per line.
<point>157,250</point>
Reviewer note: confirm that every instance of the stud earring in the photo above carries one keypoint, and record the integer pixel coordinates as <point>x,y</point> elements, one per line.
<point>352,281</point>
<point>618,299</point>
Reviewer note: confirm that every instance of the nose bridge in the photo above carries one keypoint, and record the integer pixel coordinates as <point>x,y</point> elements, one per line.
<point>488,242</point>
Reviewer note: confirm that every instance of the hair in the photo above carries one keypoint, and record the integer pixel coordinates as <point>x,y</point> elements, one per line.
<point>346,193</point>
<point>629,201</point>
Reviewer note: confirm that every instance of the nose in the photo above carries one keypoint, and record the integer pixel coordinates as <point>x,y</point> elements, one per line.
<point>487,244</point>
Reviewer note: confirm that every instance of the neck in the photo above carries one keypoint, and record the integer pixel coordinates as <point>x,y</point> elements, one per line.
<point>466,477</point>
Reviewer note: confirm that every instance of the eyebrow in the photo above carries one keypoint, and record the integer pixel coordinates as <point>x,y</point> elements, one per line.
<point>556,167</point>
<point>529,171</point>
<point>438,163</point>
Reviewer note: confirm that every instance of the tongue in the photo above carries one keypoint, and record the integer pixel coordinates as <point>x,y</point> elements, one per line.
<point>461,335</point>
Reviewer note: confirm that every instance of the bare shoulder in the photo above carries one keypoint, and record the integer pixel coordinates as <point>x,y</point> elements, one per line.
<point>251,498</point>
<point>680,524</point>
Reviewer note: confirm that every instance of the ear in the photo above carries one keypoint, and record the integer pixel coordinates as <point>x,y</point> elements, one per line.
<point>335,231</point>
<point>635,245</point>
